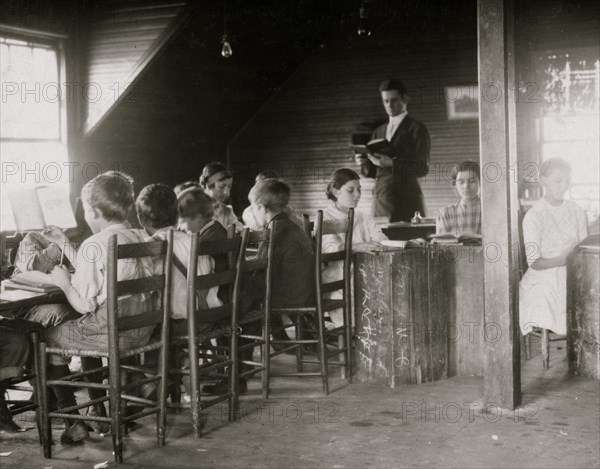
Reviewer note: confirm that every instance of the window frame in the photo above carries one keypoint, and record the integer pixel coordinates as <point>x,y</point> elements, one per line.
<point>55,42</point>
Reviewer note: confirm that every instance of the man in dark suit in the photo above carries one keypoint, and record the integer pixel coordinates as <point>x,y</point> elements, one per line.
<point>397,193</point>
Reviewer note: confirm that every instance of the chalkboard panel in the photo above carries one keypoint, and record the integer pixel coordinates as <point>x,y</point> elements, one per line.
<point>373,316</point>
<point>401,340</point>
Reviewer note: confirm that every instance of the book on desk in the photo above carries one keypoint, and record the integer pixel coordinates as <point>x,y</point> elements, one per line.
<point>460,239</point>
<point>32,281</point>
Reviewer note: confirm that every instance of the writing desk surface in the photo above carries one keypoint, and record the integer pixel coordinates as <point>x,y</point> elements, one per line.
<point>7,306</point>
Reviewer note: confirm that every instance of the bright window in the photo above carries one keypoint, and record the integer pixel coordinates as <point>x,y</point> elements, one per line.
<point>33,149</point>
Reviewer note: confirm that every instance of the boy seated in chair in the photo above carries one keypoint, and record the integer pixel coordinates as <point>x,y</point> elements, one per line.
<point>292,272</point>
<point>107,201</point>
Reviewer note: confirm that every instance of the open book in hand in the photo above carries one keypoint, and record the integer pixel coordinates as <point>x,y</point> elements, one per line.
<point>380,145</point>
<point>31,281</point>
<point>34,209</point>
<point>461,238</point>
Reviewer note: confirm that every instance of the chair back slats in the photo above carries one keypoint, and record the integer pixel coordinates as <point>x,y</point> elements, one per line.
<point>236,248</point>
<point>140,320</point>
<point>115,288</point>
<point>332,286</point>
<point>333,256</point>
<point>141,285</point>
<point>137,250</point>
<point>212,315</point>
<point>325,227</point>
<point>215,280</point>
<point>255,237</point>
<point>254,265</point>
<point>220,246</point>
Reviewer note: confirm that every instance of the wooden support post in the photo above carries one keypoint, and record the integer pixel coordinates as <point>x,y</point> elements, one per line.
<point>497,134</point>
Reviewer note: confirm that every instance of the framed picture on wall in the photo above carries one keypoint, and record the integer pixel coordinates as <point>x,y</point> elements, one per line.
<point>462,102</point>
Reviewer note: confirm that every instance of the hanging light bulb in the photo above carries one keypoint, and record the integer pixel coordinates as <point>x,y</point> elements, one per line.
<point>363,24</point>
<point>226,50</point>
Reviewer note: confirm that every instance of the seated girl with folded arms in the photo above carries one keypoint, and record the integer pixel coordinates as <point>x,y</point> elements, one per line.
<point>551,229</point>
<point>107,201</point>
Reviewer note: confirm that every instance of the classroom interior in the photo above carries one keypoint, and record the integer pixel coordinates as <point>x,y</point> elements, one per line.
<point>145,88</point>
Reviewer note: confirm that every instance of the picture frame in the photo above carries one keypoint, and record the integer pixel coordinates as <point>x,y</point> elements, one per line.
<point>462,102</point>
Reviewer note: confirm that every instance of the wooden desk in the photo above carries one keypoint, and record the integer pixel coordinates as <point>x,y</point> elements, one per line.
<point>404,231</point>
<point>583,319</point>
<point>419,314</point>
<point>7,307</point>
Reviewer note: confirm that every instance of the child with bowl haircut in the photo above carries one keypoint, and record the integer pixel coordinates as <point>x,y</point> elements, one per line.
<point>107,201</point>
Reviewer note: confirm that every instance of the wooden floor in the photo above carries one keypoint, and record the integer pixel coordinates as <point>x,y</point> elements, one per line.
<point>440,424</point>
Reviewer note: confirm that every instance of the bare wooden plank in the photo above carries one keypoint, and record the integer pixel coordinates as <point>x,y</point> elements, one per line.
<point>215,280</point>
<point>140,285</point>
<point>497,134</point>
<point>140,320</point>
<point>150,249</point>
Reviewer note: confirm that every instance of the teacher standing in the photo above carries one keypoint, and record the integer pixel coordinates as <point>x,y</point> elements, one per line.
<point>397,193</point>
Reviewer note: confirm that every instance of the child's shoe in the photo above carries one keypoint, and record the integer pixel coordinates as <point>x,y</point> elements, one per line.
<point>74,431</point>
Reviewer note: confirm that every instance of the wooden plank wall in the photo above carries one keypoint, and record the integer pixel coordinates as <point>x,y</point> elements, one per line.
<point>303,132</point>
<point>123,36</point>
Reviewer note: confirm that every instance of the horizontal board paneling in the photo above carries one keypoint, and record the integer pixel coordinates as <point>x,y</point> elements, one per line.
<point>304,132</point>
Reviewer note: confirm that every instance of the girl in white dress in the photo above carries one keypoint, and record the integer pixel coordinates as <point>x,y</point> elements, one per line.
<point>344,191</point>
<point>551,229</point>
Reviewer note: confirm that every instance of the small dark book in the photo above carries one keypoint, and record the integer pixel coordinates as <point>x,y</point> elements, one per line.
<point>380,145</point>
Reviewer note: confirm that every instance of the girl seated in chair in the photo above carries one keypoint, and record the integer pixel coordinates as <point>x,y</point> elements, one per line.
<point>344,191</point>
<point>551,229</point>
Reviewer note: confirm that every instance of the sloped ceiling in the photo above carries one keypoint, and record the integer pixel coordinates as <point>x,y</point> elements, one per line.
<point>124,37</point>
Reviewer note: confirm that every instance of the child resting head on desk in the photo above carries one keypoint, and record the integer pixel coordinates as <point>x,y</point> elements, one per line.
<point>465,215</point>
<point>107,201</point>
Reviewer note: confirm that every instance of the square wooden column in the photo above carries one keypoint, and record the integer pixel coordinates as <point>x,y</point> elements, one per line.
<point>497,134</point>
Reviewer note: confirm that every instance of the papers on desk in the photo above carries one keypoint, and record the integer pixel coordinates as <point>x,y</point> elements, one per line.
<point>16,295</point>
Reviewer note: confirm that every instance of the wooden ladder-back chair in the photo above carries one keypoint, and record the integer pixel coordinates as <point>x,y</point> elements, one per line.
<point>259,266</point>
<point>315,315</point>
<point>120,322</point>
<point>206,323</point>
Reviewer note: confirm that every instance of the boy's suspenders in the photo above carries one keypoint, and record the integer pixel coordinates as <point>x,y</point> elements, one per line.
<point>179,265</point>
<point>182,268</point>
